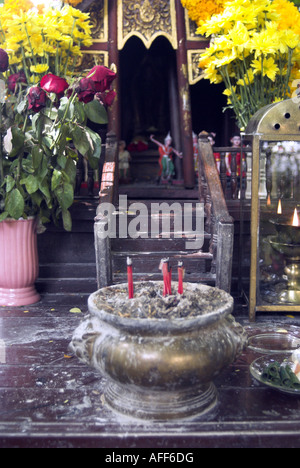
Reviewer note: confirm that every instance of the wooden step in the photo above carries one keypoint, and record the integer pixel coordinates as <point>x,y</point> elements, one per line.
<point>207,278</point>
<point>67,270</point>
<point>146,265</point>
<point>151,191</point>
<point>172,239</point>
<point>155,245</point>
<point>66,285</point>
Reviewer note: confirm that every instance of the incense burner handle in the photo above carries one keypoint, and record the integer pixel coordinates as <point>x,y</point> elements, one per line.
<point>239,332</point>
<point>83,340</point>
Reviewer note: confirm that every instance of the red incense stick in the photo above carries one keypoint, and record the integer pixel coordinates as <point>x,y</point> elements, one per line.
<point>129,278</point>
<point>180,277</point>
<point>164,266</point>
<point>165,278</point>
<point>170,280</point>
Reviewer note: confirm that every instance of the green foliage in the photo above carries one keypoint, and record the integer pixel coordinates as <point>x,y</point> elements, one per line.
<point>38,169</point>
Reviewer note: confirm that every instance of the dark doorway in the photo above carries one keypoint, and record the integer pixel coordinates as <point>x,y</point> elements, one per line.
<point>207,103</point>
<point>145,89</point>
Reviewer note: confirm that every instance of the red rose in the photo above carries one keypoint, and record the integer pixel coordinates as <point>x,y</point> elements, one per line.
<point>54,84</point>
<point>86,90</point>
<point>14,79</point>
<point>102,77</point>
<point>107,98</point>
<point>37,98</point>
<point>3,61</point>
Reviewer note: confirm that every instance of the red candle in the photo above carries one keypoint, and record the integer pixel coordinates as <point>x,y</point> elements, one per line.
<point>129,278</point>
<point>180,277</point>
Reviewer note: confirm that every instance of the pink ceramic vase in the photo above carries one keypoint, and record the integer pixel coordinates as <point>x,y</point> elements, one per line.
<point>18,262</point>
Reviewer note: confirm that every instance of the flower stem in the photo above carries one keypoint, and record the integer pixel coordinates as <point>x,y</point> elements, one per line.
<point>62,121</point>
<point>69,49</point>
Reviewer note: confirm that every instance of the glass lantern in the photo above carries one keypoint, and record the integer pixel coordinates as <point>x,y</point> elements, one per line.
<point>274,133</point>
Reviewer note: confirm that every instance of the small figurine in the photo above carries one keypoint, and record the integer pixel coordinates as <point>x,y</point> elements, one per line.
<point>124,159</point>
<point>166,164</point>
<point>235,143</point>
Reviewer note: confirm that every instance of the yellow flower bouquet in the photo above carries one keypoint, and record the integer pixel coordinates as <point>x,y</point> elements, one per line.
<point>43,40</point>
<point>255,51</point>
<point>45,109</point>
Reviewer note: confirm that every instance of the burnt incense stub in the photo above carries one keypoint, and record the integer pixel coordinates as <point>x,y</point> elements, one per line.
<point>159,354</point>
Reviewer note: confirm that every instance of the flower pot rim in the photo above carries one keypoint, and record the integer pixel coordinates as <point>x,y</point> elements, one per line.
<point>19,219</point>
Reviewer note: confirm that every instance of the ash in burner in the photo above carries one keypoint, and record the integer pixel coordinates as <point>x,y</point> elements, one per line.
<point>149,302</point>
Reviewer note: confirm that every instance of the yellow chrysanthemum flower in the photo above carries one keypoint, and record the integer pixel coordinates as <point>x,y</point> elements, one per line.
<point>266,67</point>
<point>262,43</point>
<point>239,36</point>
<point>291,38</point>
<point>227,92</point>
<point>247,79</point>
<point>40,69</point>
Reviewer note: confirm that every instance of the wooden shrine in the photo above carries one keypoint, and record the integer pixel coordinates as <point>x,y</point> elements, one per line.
<point>162,73</point>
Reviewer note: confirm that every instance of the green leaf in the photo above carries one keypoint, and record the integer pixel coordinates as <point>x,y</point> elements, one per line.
<point>3,215</point>
<point>37,198</point>
<point>44,188</point>
<point>37,155</point>
<point>10,183</point>
<point>93,162</point>
<point>14,204</point>
<point>39,124</point>
<point>47,141</point>
<point>80,140</point>
<point>96,139</point>
<point>18,139</point>
<point>61,160</point>
<point>56,179</point>
<point>22,106</point>
<point>27,165</point>
<point>65,195</point>
<point>67,220</point>
<point>63,140</point>
<point>70,169</point>
<point>96,112</point>
<point>79,112</point>
<point>50,113</point>
<point>66,106</point>
<point>31,183</point>
<point>42,171</point>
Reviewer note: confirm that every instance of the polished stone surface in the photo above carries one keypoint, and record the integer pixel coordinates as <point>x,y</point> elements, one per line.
<point>49,399</point>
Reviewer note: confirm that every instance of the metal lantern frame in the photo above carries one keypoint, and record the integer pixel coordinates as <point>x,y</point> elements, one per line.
<point>273,123</point>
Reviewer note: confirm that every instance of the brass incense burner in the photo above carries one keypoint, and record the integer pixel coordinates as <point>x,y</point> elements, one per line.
<point>159,365</point>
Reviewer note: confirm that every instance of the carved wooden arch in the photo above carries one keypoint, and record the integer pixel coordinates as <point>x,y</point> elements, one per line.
<point>146,19</point>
